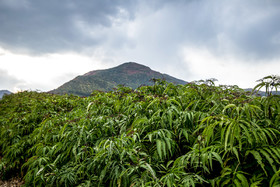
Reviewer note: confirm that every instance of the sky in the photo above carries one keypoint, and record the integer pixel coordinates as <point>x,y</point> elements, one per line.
<point>44,44</point>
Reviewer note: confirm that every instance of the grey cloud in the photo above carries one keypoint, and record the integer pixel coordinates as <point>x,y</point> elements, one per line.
<point>50,26</point>
<point>247,29</point>
<point>9,82</point>
<point>258,40</point>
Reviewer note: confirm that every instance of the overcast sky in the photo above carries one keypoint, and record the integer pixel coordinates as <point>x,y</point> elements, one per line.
<point>45,43</point>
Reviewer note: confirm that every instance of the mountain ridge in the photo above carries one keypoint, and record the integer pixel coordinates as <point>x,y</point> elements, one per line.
<point>4,92</point>
<point>129,74</point>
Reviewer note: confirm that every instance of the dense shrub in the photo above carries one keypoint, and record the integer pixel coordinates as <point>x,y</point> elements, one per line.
<point>161,135</point>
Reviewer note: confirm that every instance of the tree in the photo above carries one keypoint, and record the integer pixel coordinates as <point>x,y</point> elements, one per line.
<point>269,82</point>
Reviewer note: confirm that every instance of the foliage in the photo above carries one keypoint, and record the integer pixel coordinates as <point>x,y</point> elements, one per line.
<point>160,135</point>
<point>269,82</point>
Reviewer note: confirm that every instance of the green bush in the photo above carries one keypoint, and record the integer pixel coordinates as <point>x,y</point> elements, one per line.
<point>161,135</point>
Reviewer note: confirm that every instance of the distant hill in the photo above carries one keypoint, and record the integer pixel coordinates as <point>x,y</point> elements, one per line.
<point>3,92</point>
<point>129,74</point>
<point>262,93</point>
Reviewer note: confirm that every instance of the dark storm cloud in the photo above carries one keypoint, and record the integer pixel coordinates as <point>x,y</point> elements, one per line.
<point>48,26</point>
<point>247,29</point>
<point>244,29</point>
<point>254,30</point>
<point>261,40</point>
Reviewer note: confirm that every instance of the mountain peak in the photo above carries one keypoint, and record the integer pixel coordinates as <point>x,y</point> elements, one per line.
<point>131,68</point>
<point>133,65</point>
<point>129,74</point>
<point>127,67</point>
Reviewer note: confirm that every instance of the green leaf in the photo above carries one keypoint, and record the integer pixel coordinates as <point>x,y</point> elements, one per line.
<point>243,180</point>
<point>159,147</point>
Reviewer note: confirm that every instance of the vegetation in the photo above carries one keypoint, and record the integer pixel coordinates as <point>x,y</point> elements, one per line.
<point>269,82</point>
<point>196,134</point>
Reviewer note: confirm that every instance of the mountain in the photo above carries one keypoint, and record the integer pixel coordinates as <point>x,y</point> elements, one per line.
<point>262,93</point>
<point>3,92</point>
<point>129,74</point>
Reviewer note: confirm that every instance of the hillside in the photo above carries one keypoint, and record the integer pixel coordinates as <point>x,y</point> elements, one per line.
<point>3,92</point>
<point>129,74</point>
